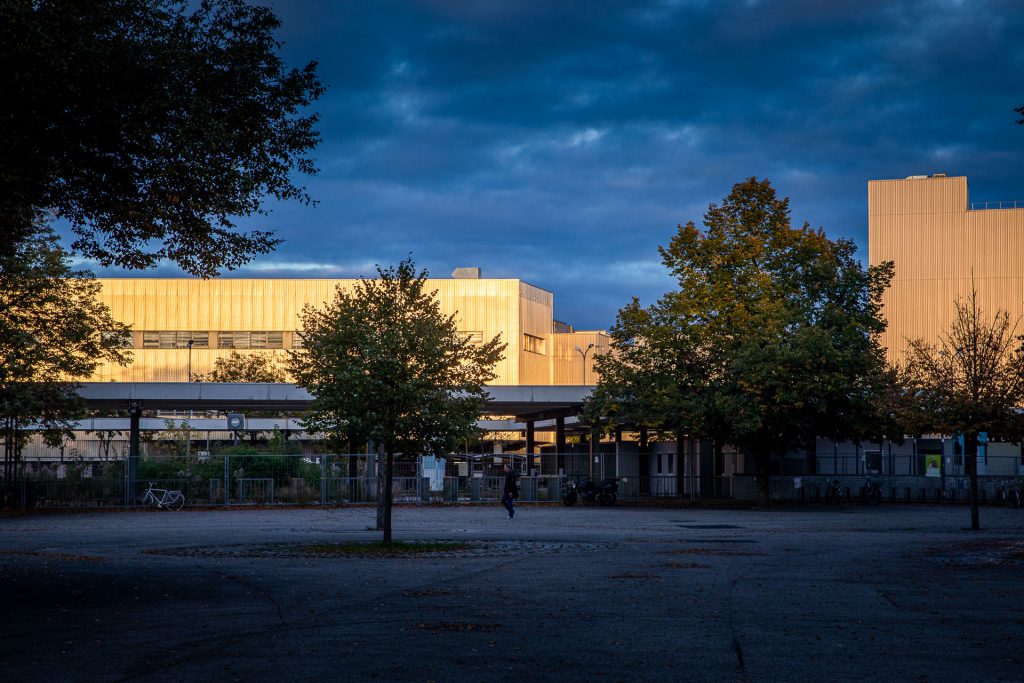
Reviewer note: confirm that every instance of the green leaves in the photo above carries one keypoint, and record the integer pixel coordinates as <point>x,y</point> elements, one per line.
<point>972,380</point>
<point>770,338</point>
<point>149,125</point>
<point>384,364</point>
<point>52,333</point>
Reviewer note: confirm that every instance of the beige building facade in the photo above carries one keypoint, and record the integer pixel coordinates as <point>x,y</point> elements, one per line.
<point>262,316</point>
<point>940,245</point>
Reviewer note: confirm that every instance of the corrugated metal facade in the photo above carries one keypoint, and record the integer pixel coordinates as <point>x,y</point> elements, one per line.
<point>939,247</point>
<point>223,308</point>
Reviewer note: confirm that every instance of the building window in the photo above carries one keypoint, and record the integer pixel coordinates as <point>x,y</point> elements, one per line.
<point>473,337</point>
<point>250,340</point>
<point>175,340</point>
<point>533,344</point>
<point>297,340</point>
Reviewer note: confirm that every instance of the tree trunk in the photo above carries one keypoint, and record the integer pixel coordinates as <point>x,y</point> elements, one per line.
<point>381,491</point>
<point>388,477</point>
<point>762,465</point>
<point>971,447</point>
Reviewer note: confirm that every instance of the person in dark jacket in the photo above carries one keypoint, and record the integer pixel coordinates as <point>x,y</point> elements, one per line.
<point>511,492</point>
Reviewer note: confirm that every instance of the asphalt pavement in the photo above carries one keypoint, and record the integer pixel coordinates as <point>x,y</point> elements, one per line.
<point>855,593</point>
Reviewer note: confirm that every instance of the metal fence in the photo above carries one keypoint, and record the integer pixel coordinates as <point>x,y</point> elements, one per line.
<point>338,479</point>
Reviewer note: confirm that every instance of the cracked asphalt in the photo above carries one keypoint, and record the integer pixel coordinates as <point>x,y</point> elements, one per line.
<point>894,593</point>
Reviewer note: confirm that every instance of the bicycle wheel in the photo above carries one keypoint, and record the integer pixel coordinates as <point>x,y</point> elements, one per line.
<point>177,501</point>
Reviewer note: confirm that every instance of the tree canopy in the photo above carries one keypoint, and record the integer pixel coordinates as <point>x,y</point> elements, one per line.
<point>52,333</point>
<point>148,126</point>
<point>385,365</point>
<point>970,381</point>
<point>769,339</point>
<point>259,366</point>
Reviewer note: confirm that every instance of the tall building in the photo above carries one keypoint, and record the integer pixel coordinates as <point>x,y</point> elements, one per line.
<point>941,245</point>
<point>262,316</point>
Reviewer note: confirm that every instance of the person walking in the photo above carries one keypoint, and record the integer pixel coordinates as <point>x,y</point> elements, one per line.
<point>511,492</point>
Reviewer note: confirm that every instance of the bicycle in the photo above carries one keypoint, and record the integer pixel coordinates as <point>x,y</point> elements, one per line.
<point>163,498</point>
<point>1008,493</point>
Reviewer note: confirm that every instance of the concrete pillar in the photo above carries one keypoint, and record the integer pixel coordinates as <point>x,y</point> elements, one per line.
<point>560,445</point>
<point>531,446</point>
<point>618,450</point>
<point>680,463</point>
<point>644,462</point>
<point>131,469</point>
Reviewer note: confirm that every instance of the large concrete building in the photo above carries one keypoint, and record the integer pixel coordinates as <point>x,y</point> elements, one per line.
<point>941,245</point>
<point>262,316</point>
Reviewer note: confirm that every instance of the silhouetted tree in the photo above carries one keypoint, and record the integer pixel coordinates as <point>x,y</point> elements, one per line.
<point>148,126</point>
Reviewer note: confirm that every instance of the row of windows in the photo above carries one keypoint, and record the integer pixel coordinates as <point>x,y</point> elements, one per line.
<point>177,339</point>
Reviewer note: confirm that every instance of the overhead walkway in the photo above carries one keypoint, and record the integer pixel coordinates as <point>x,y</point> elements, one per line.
<point>526,404</point>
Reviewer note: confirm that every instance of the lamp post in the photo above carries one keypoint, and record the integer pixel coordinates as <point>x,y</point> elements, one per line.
<point>190,342</point>
<point>584,353</point>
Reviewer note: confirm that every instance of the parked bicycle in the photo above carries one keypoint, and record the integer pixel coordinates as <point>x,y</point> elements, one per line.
<point>163,498</point>
<point>1009,493</point>
<point>871,491</point>
<point>833,492</point>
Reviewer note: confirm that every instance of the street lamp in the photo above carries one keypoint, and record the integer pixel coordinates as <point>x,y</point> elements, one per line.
<point>584,354</point>
<point>190,343</point>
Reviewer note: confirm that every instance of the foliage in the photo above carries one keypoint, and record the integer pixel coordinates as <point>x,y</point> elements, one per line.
<point>971,381</point>
<point>258,366</point>
<point>384,364</point>
<point>769,339</point>
<point>148,125</point>
<point>1020,110</point>
<point>52,332</point>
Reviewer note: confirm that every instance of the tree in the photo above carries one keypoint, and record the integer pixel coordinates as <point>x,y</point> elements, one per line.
<point>384,364</point>
<point>239,367</point>
<point>148,127</point>
<point>971,381</point>
<point>769,340</point>
<point>52,332</point>
<point>1020,110</point>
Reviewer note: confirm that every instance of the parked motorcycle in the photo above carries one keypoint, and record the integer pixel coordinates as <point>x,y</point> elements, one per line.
<point>604,493</point>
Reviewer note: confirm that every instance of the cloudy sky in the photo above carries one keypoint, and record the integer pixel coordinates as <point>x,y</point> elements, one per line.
<point>562,142</point>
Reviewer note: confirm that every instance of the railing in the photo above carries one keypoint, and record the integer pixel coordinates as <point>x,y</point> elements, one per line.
<point>279,480</point>
<point>1015,204</point>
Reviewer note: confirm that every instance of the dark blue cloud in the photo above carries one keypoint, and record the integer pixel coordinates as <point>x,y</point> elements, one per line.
<point>562,142</point>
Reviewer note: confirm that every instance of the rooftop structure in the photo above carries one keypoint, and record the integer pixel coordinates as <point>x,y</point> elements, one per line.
<point>940,245</point>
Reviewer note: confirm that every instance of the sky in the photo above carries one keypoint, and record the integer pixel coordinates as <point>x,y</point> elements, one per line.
<point>562,142</point>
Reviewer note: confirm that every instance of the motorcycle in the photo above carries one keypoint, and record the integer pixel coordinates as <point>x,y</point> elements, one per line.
<point>604,493</point>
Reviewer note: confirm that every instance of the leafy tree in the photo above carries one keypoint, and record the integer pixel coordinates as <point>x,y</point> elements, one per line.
<point>53,331</point>
<point>770,339</point>
<point>971,381</point>
<point>245,367</point>
<point>148,125</point>
<point>384,364</point>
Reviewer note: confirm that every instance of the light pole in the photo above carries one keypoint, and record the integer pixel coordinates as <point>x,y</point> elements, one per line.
<point>190,343</point>
<point>584,354</point>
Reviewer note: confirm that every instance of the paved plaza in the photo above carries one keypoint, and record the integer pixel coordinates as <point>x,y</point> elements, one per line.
<point>889,593</point>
